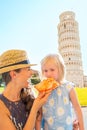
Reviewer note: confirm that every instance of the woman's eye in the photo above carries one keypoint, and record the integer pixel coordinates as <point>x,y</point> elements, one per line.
<point>29,69</point>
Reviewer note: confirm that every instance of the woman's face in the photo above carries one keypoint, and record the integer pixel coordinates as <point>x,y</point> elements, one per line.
<point>23,76</point>
<point>50,70</point>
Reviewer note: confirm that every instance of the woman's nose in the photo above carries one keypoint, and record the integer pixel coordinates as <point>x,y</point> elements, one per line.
<point>34,72</point>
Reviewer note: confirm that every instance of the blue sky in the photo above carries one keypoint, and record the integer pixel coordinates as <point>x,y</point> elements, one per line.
<point>32,25</point>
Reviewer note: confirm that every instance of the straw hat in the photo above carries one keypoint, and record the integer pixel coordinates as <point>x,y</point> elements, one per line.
<point>14,59</point>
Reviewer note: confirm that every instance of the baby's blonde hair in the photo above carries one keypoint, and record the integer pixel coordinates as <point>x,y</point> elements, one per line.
<point>58,61</point>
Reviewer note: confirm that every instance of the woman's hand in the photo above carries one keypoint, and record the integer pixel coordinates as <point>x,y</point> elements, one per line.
<point>41,99</point>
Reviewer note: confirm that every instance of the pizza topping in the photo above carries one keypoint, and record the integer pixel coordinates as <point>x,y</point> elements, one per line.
<point>47,84</point>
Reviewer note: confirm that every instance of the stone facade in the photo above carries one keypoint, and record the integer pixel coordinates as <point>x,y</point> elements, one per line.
<point>85,81</point>
<point>69,47</point>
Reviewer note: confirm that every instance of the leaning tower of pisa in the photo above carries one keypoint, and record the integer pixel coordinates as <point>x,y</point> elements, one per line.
<point>69,47</point>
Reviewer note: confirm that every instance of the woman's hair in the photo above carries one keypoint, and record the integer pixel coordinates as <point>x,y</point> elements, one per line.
<point>24,95</point>
<point>58,61</point>
<point>6,76</point>
<point>27,99</point>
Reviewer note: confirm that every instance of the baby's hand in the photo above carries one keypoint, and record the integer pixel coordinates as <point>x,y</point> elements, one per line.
<point>75,125</point>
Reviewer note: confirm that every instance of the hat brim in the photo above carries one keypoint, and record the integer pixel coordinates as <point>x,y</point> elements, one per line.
<point>19,66</point>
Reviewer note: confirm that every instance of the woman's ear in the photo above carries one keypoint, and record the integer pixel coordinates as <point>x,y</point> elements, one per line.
<point>12,74</point>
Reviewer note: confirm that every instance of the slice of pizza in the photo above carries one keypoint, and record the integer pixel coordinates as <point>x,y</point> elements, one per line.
<point>47,84</point>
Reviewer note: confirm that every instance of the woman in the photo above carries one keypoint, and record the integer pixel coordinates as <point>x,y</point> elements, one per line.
<point>18,110</point>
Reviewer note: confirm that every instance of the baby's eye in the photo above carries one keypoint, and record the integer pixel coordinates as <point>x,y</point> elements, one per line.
<point>45,70</point>
<point>52,69</point>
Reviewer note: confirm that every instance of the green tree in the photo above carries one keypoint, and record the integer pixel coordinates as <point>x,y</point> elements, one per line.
<point>0,80</point>
<point>35,79</point>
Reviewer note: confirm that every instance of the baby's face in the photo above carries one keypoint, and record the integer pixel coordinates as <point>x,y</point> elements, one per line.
<point>50,70</point>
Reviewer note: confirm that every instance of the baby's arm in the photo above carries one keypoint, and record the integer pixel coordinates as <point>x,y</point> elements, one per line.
<point>77,107</point>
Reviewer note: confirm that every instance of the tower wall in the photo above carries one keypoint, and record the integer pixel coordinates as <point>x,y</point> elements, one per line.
<point>69,47</point>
